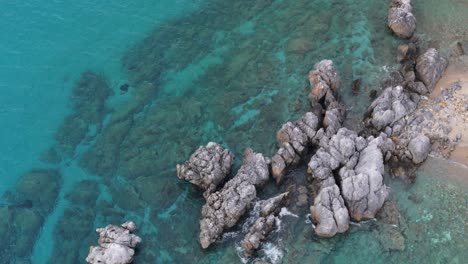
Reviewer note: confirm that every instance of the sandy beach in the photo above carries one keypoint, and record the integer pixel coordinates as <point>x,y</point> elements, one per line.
<point>457,71</point>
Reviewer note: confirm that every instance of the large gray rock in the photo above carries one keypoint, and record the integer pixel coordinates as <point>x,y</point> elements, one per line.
<point>429,67</point>
<point>329,211</point>
<point>401,19</point>
<point>362,186</point>
<point>294,138</point>
<point>390,107</point>
<point>360,166</point>
<point>264,224</point>
<point>224,208</point>
<point>419,148</point>
<point>116,245</point>
<point>207,166</point>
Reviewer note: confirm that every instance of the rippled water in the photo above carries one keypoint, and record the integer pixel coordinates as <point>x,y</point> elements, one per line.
<point>82,153</point>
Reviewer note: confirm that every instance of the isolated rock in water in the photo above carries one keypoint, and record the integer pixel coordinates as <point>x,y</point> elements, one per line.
<point>324,81</point>
<point>419,148</point>
<point>293,138</point>
<point>363,188</point>
<point>207,166</point>
<point>401,19</point>
<point>224,208</point>
<point>116,245</point>
<point>264,223</point>
<point>429,67</point>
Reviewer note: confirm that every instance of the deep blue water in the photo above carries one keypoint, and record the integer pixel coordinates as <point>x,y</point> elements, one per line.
<point>87,154</point>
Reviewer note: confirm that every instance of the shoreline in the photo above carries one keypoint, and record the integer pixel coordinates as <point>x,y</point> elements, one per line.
<point>457,71</point>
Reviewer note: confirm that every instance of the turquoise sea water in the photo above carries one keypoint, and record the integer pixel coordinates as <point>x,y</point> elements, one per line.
<point>79,153</point>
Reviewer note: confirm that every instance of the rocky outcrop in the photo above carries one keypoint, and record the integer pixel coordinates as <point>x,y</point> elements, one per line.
<point>401,19</point>
<point>207,167</point>
<point>397,111</point>
<point>225,207</point>
<point>324,82</point>
<point>429,67</point>
<point>329,211</point>
<point>264,224</point>
<point>294,138</point>
<point>360,166</point>
<point>116,245</point>
<point>362,185</point>
<point>387,112</point>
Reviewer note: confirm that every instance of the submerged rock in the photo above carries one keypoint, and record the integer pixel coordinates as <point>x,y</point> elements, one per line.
<point>224,208</point>
<point>429,67</point>
<point>264,223</point>
<point>401,19</point>
<point>207,166</point>
<point>116,245</point>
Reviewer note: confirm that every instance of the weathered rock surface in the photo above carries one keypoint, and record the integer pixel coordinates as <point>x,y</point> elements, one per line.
<point>401,19</point>
<point>362,187</point>
<point>329,211</point>
<point>360,166</point>
<point>264,223</point>
<point>419,148</point>
<point>207,166</point>
<point>429,67</point>
<point>294,138</point>
<point>324,82</point>
<point>116,245</point>
<point>388,110</point>
<point>224,208</point>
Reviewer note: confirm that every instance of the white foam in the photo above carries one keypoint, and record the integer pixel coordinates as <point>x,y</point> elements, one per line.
<point>284,211</point>
<point>272,253</point>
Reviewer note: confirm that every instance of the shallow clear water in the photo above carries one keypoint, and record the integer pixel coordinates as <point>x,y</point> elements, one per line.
<point>81,153</point>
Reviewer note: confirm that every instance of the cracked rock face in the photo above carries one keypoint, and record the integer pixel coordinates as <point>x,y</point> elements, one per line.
<point>264,223</point>
<point>362,186</point>
<point>224,208</point>
<point>389,109</point>
<point>293,140</point>
<point>324,82</point>
<point>116,245</point>
<point>360,166</point>
<point>329,211</point>
<point>207,166</point>
<point>430,66</point>
<point>401,19</point>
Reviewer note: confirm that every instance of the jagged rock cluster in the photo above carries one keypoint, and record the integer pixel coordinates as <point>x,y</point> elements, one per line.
<point>224,208</point>
<point>358,164</point>
<point>264,224</point>
<point>294,138</point>
<point>207,167</point>
<point>393,112</point>
<point>116,245</point>
<point>401,19</point>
